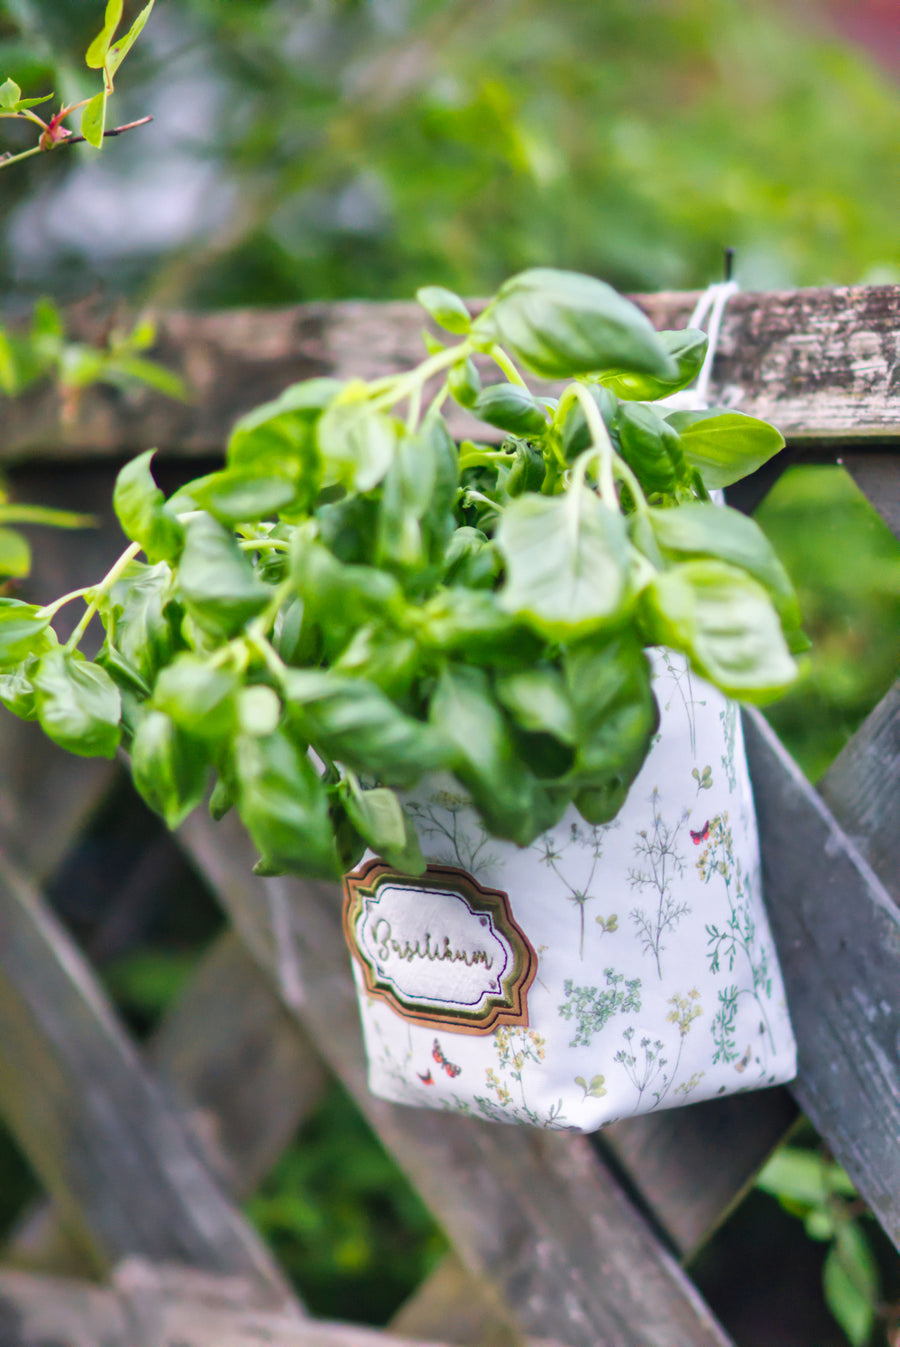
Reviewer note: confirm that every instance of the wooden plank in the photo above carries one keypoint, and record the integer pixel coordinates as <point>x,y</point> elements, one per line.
<point>164,1307</point>
<point>534,1214</point>
<point>838,937</point>
<point>241,1070</point>
<point>666,1158</point>
<point>104,1140</point>
<point>821,363</point>
<point>862,789</point>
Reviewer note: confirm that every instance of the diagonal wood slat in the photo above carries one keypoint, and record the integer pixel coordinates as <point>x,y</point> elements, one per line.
<point>535,1215</point>
<point>821,363</point>
<point>838,938</point>
<point>104,1140</point>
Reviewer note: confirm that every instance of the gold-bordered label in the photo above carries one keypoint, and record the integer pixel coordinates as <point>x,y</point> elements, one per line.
<point>440,948</point>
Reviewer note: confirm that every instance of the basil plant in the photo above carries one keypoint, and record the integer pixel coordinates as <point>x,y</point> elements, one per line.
<point>355,601</point>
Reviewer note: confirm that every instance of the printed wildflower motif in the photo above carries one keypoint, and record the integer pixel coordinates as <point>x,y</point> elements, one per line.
<point>607,924</point>
<point>465,841</point>
<point>596,1089</point>
<point>592,1007</point>
<point>516,1049</point>
<point>703,779</point>
<point>680,674</point>
<point>686,1010</point>
<point>688,1086</point>
<point>735,941</point>
<point>729,719</point>
<point>582,838</point>
<point>645,1064</point>
<point>661,863</point>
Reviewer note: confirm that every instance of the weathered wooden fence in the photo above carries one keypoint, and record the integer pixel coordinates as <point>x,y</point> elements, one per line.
<point>145,1154</point>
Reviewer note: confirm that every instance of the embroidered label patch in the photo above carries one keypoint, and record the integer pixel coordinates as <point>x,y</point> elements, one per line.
<point>440,948</point>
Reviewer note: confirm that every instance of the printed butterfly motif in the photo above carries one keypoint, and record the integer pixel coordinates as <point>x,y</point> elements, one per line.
<point>700,835</point>
<point>745,1060</point>
<point>450,1067</point>
<point>426,1079</point>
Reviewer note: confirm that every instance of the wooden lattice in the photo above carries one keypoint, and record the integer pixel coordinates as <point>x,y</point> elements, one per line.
<point>144,1154</point>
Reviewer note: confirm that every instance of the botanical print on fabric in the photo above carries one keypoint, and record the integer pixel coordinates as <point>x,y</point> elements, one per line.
<point>581,838</point>
<point>454,839</point>
<point>661,865</point>
<point>591,1007</point>
<point>734,942</point>
<point>516,1049</point>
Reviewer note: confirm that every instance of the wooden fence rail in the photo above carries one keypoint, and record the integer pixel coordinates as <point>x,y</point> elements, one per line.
<point>556,1238</point>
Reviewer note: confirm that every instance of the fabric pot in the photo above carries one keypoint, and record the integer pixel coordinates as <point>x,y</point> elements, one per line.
<point>601,972</point>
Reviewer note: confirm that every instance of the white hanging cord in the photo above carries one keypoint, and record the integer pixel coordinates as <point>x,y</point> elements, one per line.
<point>712,302</point>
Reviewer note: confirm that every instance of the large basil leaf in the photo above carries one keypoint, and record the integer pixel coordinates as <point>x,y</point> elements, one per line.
<point>706,530</point>
<point>470,559</point>
<point>198,696</point>
<point>139,618</point>
<point>216,581</point>
<point>78,704</point>
<point>23,632</point>
<point>284,805</point>
<point>608,687</point>
<point>278,439</point>
<point>687,347</point>
<point>510,408</point>
<point>378,817</point>
<point>353,721</point>
<point>725,623</point>
<point>170,768</point>
<point>17,690</point>
<point>725,446</point>
<point>142,512</point>
<point>509,797</point>
<point>338,598</point>
<point>574,432</point>
<point>560,323</point>
<point>650,447</point>
<point>235,497</point>
<point>566,563</point>
<point>357,443</point>
<point>384,657</point>
<point>538,701</point>
<point>471,624</point>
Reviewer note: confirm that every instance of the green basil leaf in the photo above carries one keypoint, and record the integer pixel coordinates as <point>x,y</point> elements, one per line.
<point>258,710</point>
<point>141,510</point>
<point>17,691</point>
<point>526,472</point>
<point>215,580</point>
<point>725,623</point>
<point>235,497</point>
<point>169,768</point>
<point>609,688</point>
<point>650,447</point>
<point>470,559</point>
<point>701,530</point>
<point>464,382</point>
<point>725,446</point>
<point>284,805</point>
<point>141,621</point>
<point>78,704</point>
<point>378,817</point>
<point>340,598</point>
<point>566,563</point>
<point>353,721</point>
<point>446,308</point>
<point>278,439</point>
<point>199,697</point>
<point>559,324</point>
<point>687,348</point>
<point>357,443</point>
<point>221,799</point>
<point>507,794</point>
<point>23,632</point>
<point>382,656</point>
<point>575,435</point>
<point>510,408</point>
<point>538,701</point>
<point>472,624</point>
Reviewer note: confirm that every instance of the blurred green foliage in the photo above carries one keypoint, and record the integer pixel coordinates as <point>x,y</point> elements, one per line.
<point>373,146</point>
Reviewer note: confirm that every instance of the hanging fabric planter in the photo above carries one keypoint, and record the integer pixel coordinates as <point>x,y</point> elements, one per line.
<point>601,972</point>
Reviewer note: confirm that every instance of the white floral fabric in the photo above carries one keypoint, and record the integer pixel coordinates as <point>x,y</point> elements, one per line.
<point>629,968</point>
